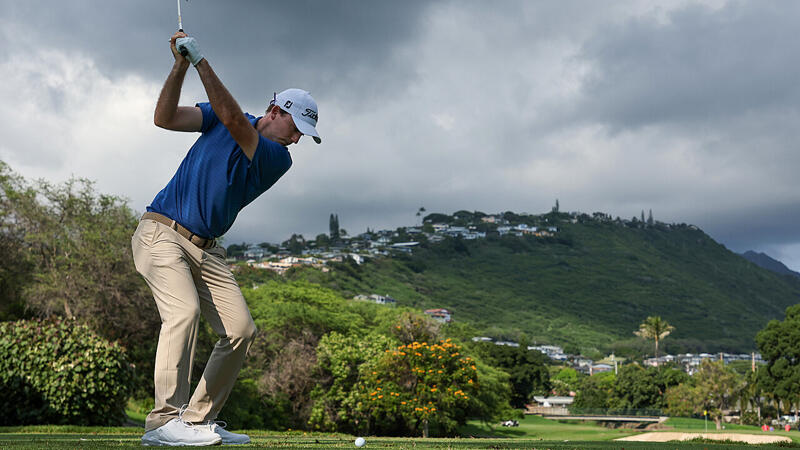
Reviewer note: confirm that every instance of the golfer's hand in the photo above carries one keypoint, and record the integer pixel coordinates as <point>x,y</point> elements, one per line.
<point>175,52</point>
<point>189,44</point>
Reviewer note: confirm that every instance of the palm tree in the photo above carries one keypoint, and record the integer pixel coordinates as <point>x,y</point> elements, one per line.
<point>655,328</point>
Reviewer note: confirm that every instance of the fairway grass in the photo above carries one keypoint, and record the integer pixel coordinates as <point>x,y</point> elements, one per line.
<point>533,433</point>
<point>97,441</point>
<point>535,427</point>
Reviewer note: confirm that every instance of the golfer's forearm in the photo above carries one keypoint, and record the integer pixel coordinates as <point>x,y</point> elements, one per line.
<point>225,106</point>
<point>167,104</point>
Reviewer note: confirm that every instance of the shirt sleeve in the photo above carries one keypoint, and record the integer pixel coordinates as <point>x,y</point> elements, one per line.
<point>209,117</point>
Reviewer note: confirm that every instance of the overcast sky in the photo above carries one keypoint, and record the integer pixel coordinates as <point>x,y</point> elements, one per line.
<point>688,109</point>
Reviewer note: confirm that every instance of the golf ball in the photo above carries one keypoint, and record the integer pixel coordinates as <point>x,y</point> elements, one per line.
<point>360,442</point>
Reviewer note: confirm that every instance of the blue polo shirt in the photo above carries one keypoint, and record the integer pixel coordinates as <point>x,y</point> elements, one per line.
<point>216,180</point>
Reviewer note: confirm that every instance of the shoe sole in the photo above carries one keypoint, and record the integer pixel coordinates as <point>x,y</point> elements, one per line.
<point>180,444</point>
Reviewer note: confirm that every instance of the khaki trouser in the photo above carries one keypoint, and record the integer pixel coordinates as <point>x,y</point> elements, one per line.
<point>187,281</point>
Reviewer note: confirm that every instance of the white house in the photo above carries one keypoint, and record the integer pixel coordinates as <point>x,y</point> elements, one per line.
<point>255,252</point>
<point>383,299</point>
<point>554,401</point>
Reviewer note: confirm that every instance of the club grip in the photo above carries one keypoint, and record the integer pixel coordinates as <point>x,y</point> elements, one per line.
<point>182,50</point>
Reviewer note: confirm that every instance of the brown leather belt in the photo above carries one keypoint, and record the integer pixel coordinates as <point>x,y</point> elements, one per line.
<point>183,231</point>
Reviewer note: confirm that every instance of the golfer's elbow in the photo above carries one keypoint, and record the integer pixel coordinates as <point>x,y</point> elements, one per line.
<point>168,121</point>
<point>160,121</point>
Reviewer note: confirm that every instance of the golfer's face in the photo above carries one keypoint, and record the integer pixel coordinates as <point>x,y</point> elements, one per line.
<point>286,131</point>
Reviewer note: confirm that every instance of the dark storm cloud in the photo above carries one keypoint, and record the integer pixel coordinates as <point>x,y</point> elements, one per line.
<point>769,228</point>
<point>702,65</point>
<point>323,45</point>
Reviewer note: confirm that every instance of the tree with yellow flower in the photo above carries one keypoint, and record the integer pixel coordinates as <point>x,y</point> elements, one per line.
<point>416,385</point>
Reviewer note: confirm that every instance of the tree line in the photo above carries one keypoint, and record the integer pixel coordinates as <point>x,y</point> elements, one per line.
<point>758,393</point>
<point>325,362</point>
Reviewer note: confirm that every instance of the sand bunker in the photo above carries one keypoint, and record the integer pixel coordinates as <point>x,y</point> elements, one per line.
<point>665,436</point>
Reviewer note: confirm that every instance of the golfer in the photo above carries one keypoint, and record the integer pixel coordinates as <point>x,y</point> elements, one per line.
<point>236,158</point>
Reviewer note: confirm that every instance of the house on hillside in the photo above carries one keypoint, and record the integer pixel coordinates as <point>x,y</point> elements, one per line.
<point>582,364</point>
<point>357,258</point>
<point>405,247</point>
<point>381,241</point>
<point>554,401</point>
<point>255,252</point>
<point>440,314</point>
<point>552,351</point>
<point>597,368</point>
<point>440,227</point>
<point>379,299</point>
<point>456,231</point>
<point>555,406</point>
<point>434,237</point>
<point>383,299</point>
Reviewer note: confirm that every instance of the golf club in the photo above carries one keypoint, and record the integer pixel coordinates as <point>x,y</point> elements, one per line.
<point>183,51</point>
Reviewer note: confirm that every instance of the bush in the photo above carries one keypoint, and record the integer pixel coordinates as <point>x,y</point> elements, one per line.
<point>59,372</point>
<point>247,408</point>
<point>750,418</point>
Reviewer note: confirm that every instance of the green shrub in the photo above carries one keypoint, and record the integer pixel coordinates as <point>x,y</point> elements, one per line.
<point>247,408</point>
<point>60,372</point>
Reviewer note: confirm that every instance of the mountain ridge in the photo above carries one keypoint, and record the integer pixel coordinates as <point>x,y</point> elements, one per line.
<point>590,284</point>
<point>767,262</point>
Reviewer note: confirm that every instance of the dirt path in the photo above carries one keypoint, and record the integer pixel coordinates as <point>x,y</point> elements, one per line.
<point>665,436</point>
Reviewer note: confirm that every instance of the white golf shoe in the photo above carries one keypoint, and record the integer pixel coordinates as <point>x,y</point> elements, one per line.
<point>179,433</point>
<point>228,438</point>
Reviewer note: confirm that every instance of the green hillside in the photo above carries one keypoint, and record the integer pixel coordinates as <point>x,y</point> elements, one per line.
<point>591,284</point>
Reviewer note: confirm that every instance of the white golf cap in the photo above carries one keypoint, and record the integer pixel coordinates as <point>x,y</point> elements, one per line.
<point>303,109</point>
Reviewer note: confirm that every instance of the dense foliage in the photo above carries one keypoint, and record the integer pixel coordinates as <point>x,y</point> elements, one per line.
<point>66,253</point>
<point>527,370</point>
<point>633,390</point>
<point>57,372</point>
<point>638,388</point>
<point>340,359</point>
<point>319,356</point>
<point>779,344</point>
<point>595,392</point>
<point>412,385</point>
<point>712,390</point>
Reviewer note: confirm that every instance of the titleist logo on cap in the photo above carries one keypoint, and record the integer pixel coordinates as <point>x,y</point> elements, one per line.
<point>308,113</point>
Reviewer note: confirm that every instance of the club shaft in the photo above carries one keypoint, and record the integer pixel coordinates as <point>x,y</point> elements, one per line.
<point>180,22</point>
